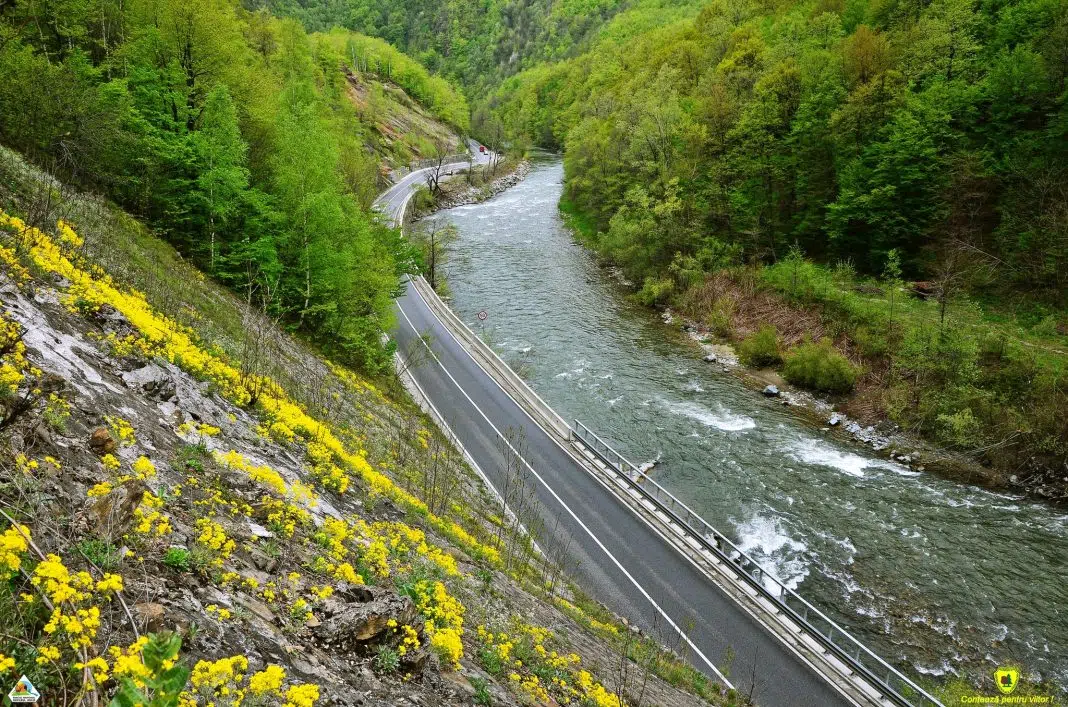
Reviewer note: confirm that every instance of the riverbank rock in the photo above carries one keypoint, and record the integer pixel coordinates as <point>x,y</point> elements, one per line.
<point>475,195</point>
<point>771,391</point>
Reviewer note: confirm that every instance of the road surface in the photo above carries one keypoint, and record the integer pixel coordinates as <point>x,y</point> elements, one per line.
<point>612,553</point>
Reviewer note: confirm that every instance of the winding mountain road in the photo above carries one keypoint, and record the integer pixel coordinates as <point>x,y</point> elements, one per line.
<point>615,555</point>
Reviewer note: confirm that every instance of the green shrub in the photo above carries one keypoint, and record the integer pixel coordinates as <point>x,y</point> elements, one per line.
<point>482,694</point>
<point>387,660</point>
<point>177,558</point>
<point>960,429</point>
<point>818,366</point>
<point>761,349</point>
<point>719,319</point>
<point>655,291</point>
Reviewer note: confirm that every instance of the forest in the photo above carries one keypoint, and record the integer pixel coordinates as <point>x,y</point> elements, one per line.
<point>897,167</point>
<point>229,132</point>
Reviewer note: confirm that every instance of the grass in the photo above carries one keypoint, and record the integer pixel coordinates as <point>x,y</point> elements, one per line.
<point>100,552</point>
<point>644,651</point>
<point>193,457</point>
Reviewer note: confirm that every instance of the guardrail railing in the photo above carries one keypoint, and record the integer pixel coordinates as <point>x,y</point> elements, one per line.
<point>893,685</point>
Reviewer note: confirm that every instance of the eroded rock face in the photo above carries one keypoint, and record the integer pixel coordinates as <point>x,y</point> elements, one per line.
<point>110,516</point>
<point>353,627</point>
<point>153,381</point>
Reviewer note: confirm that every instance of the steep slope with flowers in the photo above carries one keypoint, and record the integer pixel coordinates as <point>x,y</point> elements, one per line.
<point>195,509</point>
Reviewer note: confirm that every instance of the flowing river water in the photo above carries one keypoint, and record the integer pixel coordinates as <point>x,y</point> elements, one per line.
<point>934,575</point>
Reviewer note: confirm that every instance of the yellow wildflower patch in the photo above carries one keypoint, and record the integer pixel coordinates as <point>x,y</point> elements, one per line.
<point>12,545</point>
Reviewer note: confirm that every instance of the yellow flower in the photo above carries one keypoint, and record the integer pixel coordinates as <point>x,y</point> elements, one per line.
<point>268,680</point>
<point>101,489</point>
<point>110,583</point>
<point>144,468</point>
<point>48,654</point>
<point>302,695</point>
<point>13,544</point>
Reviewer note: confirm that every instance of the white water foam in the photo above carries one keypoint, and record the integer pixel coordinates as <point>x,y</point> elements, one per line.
<point>582,365</point>
<point>723,420</point>
<point>814,451</point>
<point>765,540</point>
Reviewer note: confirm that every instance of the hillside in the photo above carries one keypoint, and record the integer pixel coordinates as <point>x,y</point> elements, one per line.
<point>236,137</point>
<point>207,510</point>
<point>907,159</point>
<point>479,44</point>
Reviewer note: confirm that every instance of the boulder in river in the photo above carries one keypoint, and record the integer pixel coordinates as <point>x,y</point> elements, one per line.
<point>771,391</point>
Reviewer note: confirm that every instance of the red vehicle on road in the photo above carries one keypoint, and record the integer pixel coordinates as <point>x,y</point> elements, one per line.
<point>482,149</point>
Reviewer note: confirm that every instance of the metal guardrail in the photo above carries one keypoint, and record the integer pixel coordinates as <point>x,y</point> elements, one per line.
<point>893,685</point>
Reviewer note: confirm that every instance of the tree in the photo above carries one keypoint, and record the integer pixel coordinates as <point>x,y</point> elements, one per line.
<point>432,240</point>
<point>438,157</point>
<point>866,55</point>
<point>220,155</point>
<point>306,182</point>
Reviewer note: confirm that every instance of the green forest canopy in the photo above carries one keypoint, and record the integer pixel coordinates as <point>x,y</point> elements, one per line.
<point>847,127</point>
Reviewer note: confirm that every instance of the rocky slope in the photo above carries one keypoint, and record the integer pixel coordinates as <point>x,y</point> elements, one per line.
<point>197,509</point>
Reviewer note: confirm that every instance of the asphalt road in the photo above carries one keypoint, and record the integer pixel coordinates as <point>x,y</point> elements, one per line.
<point>613,554</point>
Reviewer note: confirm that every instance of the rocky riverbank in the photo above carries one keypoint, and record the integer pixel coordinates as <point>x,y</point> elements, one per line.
<point>460,193</point>
<point>883,436</point>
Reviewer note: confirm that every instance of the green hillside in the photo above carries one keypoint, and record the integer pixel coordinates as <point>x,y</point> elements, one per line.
<point>829,154</point>
<point>235,135</point>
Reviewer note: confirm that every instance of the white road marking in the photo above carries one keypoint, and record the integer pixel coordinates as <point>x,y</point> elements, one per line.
<point>567,508</point>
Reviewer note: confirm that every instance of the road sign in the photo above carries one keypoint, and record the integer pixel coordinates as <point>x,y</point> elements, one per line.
<point>483,316</point>
<point>24,691</point>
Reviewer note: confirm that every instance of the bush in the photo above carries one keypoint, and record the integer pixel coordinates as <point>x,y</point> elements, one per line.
<point>960,429</point>
<point>719,319</point>
<point>177,558</point>
<point>387,660</point>
<point>820,367</point>
<point>761,350</point>
<point>655,291</point>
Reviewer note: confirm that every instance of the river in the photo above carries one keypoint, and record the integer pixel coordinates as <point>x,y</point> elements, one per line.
<point>936,576</point>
